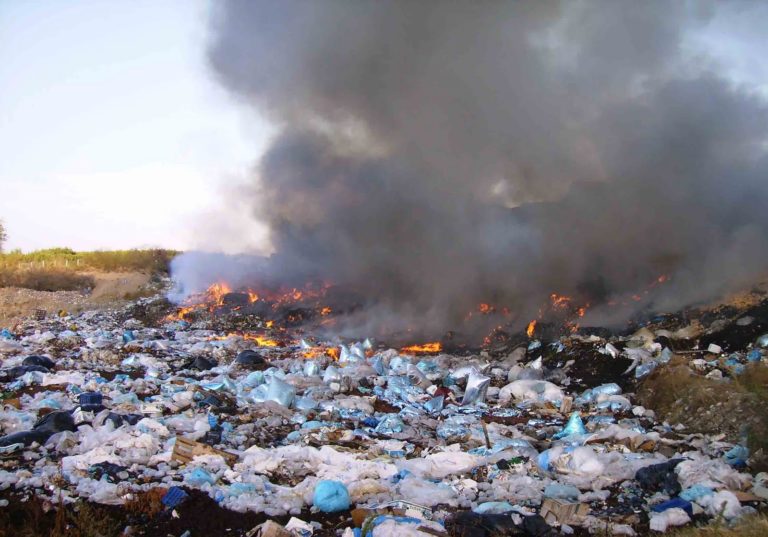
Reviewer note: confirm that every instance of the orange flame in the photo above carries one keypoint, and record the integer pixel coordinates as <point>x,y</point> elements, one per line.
<point>211,298</point>
<point>485,309</point>
<point>325,311</point>
<point>314,352</point>
<point>531,328</point>
<point>217,292</point>
<point>261,341</point>
<point>559,301</point>
<point>433,346</point>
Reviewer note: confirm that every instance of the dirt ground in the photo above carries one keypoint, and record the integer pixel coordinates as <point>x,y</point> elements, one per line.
<point>112,288</point>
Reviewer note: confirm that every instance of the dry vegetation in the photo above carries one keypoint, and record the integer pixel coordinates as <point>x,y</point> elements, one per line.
<point>756,526</point>
<point>735,408</point>
<point>46,280</point>
<point>61,269</point>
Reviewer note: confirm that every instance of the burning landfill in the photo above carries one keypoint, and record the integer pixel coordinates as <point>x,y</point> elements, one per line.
<point>493,228</point>
<point>229,404</point>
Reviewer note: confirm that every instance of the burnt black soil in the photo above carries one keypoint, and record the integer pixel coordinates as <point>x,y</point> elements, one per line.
<point>198,514</point>
<point>733,337</point>
<point>591,368</point>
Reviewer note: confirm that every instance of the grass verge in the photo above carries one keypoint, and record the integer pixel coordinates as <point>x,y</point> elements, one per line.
<point>46,280</point>
<point>147,261</point>
<point>754,526</point>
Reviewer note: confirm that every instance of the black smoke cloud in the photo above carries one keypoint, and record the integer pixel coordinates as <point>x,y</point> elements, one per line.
<point>435,154</point>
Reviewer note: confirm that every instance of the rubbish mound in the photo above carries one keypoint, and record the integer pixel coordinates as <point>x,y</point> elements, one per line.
<point>357,439</point>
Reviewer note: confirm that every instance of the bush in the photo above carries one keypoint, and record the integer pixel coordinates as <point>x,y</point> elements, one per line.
<point>46,280</point>
<point>148,261</point>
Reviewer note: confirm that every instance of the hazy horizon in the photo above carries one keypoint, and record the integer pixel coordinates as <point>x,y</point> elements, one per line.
<point>117,135</point>
<point>114,133</point>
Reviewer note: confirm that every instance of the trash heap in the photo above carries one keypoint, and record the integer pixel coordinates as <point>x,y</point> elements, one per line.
<point>102,407</point>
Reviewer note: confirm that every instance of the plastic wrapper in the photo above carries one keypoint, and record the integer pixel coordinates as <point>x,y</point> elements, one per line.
<point>737,456</point>
<point>435,404</point>
<point>399,365</point>
<point>401,389</point>
<point>762,341</point>
<point>415,375</point>
<point>456,427</point>
<point>574,426</point>
<point>332,374</point>
<point>390,424</point>
<point>254,379</point>
<point>311,369</point>
<point>487,508</point>
<point>357,351</point>
<point>428,367</point>
<point>614,403</point>
<point>477,386</point>
<point>463,372</point>
<point>694,493</point>
<point>280,392</point>
<point>671,517</point>
<point>378,365</point>
<point>199,477</point>
<point>559,491</point>
<point>304,403</point>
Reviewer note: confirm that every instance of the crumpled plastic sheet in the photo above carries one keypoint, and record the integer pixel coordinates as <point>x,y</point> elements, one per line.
<point>139,430</point>
<point>574,426</point>
<point>477,387</point>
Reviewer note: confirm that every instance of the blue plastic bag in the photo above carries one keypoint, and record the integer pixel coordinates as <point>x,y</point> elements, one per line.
<point>574,426</point>
<point>173,497</point>
<point>737,456</point>
<point>696,492</point>
<point>678,503</point>
<point>331,496</point>
<point>199,477</point>
<point>390,424</point>
<point>561,492</point>
<point>543,460</point>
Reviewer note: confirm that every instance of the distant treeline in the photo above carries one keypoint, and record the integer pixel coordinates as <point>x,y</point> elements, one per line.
<point>148,261</point>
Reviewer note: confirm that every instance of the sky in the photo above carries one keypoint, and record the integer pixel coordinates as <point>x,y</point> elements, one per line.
<point>113,132</point>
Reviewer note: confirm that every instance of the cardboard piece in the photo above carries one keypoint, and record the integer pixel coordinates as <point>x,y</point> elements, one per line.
<point>563,512</point>
<point>184,450</point>
<point>269,529</point>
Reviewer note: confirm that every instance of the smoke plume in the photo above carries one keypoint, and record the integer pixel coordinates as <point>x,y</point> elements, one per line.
<point>436,154</point>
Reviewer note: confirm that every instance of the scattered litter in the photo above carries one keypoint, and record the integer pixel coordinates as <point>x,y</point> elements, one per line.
<point>545,437</point>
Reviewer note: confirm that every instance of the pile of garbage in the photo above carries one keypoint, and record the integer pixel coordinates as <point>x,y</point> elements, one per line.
<point>103,407</point>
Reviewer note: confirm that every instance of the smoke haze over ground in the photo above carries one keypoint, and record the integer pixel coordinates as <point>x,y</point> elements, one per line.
<point>433,155</point>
